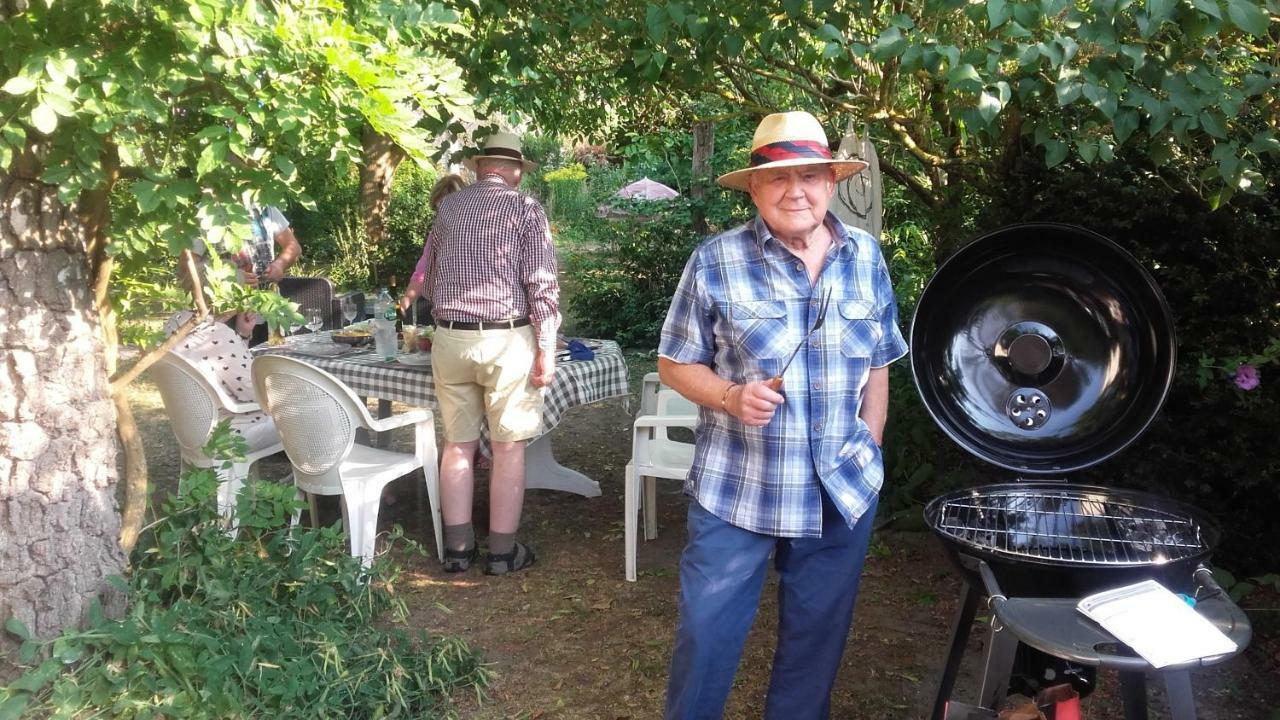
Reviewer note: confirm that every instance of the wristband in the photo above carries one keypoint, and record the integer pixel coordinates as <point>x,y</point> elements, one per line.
<point>725,398</point>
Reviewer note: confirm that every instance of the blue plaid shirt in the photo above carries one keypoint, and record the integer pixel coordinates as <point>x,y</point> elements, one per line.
<point>743,304</point>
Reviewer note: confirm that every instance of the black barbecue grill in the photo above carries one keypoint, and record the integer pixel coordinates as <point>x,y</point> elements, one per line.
<point>1045,349</point>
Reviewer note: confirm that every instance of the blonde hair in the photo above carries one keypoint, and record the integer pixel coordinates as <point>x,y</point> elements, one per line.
<point>444,187</point>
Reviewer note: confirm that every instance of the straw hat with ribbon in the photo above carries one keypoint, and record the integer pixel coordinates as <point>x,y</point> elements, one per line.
<point>786,140</point>
<point>501,146</point>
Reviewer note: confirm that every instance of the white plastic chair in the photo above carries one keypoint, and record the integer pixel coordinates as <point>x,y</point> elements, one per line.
<point>317,416</point>
<point>195,402</point>
<point>655,454</point>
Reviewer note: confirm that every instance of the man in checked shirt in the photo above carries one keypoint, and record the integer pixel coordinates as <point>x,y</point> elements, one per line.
<point>489,268</point>
<point>791,466</point>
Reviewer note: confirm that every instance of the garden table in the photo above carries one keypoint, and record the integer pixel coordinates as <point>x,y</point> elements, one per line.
<point>577,382</point>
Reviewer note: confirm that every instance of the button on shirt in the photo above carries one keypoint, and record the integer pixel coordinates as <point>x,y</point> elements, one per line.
<point>741,308</point>
<point>489,257</point>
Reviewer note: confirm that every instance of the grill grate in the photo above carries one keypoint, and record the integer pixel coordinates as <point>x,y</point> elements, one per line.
<point>1070,527</point>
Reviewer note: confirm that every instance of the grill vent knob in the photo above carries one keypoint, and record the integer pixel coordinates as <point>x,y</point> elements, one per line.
<point>1028,408</point>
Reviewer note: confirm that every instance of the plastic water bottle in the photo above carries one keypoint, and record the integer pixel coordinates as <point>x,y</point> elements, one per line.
<point>382,303</point>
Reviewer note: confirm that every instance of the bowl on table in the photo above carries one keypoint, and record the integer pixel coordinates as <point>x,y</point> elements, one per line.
<point>352,336</point>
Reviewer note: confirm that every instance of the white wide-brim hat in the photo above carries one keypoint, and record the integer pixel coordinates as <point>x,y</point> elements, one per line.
<point>788,139</point>
<point>501,146</point>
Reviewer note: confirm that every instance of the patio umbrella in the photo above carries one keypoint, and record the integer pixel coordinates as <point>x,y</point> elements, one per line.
<point>646,189</point>
<point>642,189</point>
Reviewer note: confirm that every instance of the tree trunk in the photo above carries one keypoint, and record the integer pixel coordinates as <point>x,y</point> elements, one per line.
<point>381,158</point>
<point>58,516</point>
<point>704,144</point>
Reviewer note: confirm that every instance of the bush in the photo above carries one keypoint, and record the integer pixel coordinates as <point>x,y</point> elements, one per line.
<point>622,287</point>
<point>334,243</point>
<point>276,622</point>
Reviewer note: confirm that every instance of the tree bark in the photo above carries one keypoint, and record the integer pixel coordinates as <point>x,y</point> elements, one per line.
<point>381,158</point>
<point>704,144</point>
<point>58,514</point>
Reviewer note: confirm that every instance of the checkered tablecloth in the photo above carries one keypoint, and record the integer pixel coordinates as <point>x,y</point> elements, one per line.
<point>577,382</point>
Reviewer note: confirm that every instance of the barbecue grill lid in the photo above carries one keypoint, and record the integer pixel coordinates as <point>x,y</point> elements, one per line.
<point>1042,348</point>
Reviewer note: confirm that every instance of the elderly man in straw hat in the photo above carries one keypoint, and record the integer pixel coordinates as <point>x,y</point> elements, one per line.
<point>489,270</point>
<point>782,330</point>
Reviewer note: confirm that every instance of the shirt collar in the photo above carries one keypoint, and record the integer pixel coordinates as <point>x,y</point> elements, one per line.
<point>840,239</point>
<point>493,177</point>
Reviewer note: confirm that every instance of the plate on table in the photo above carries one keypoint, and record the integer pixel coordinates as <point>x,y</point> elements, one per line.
<point>415,359</point>
<point>321,349</point>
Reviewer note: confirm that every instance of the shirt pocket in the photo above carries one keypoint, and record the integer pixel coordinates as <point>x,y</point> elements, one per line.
<point>860,330</point>
<point>759,327</point>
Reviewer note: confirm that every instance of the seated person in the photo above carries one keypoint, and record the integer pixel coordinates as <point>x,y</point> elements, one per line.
<point>223,354</point>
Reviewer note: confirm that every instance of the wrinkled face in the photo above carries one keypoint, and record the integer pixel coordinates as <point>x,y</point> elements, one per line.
<point>792,200</point>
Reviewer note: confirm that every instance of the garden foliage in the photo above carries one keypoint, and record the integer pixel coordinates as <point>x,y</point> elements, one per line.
<point>275,622</point>
<point>333,236</point>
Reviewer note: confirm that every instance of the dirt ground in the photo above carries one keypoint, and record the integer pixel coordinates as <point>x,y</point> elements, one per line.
<point>570,638</point>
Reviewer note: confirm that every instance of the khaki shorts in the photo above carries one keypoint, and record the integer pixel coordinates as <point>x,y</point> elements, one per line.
<point>485,373</point>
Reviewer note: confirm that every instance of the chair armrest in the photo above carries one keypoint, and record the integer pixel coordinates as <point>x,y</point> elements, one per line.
<point>238,408</point>
<point>648,421</point>
<point>411,417</point>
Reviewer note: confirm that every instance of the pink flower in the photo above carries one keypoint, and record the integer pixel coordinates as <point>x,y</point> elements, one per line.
<point>1247,377</point>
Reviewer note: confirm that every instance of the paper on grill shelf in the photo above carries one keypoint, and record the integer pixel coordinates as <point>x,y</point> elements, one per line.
<point>1157,624</point>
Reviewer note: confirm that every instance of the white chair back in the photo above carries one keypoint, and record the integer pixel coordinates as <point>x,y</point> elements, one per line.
<point>189,399</point>
<point>649,388</point>
<point>316,415</point>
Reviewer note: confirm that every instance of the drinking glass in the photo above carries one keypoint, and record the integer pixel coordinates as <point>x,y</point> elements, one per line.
<point>384,339</point>
<point>315,321</point>
<point>349,310</point>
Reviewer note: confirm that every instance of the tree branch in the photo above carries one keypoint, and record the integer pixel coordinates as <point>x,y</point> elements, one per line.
<point>904,178</point>
<point>121,380</point>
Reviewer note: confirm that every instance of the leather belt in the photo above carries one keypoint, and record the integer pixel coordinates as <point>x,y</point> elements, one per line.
<point>509,324</point>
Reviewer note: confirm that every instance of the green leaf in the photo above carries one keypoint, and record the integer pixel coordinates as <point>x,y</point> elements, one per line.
<point>997,13</point>
<point>1088,151</point>
<point>35,680</point>
<point>1213,123</point>
<point>1246,15</point>
<point>1101,98</point>
<point>889,44</point>
<point>1208,7</point>
<point>17,628</point>
<point>1160,10</point>
<point>964,77</point>
<point>1055,151</point>
<point>11,709</point>
<point>1161,152</point>
<point>145,192</point>
<point>1264,141</point>
<point>1136,54</point>
<point>988,106</point>
<point>831,33</point>
<point>1125,122</point>
<point>44,119</point>
<point>1067,91</point>
<point>19,85</point>
<point>211,157</point>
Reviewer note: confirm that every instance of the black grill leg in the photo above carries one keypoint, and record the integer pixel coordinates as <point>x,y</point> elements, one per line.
<point>1001,648</point>
<point>1133,692</point>
<point>1182,705</point>
<point>959,640</point>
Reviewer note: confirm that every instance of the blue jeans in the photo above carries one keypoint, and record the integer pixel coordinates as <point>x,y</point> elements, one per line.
<point>722,572</point>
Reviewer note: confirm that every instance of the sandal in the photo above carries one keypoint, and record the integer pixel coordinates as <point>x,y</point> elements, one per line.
<point>520,557</point>
<point>459,560</point>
